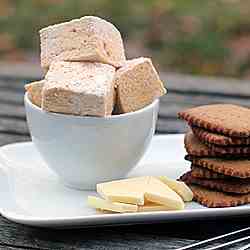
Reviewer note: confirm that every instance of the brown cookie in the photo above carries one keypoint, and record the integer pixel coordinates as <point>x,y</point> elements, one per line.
<point>218,139</point>
<point>195,147</point>
<point>230,150</point>
<point>211,198</point>
<point>239,168</point>
<point>200,172</point>
<point>232,185</point>
<point>226,119</point>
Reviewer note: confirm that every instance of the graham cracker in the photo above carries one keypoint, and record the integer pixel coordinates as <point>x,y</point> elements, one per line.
<point>232,185</point>
<point>230,150</point>
<point>211,198</point>
<point>226,119</point>
<point>218,139</point>
<point>195,147</point>
<point>239,168</point>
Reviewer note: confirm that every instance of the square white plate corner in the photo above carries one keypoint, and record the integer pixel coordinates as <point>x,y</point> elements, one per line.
<point>31,194</point>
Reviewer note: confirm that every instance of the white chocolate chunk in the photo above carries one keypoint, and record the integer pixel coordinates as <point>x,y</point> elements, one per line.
<point>125,191</point>
<point>118,207</point>
<point>35,92</point>
<point>79,88</point>
<point>138,84</point>
<point>157,192</point>
<point>150,207</point>
<point>89,38</point>
<point>139,191</point>
<point>179,187</point>
<point>105,205</point>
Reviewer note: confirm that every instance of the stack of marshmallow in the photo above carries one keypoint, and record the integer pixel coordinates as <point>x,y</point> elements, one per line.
<point>87,71</point>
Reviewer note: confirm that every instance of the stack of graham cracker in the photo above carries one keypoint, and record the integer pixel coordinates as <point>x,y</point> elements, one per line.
<point>218,147</point>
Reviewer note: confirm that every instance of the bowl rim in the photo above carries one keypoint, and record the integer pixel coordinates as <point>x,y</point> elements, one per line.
<point>111,117</point>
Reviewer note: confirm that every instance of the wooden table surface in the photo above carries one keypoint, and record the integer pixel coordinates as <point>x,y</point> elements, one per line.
<point>183,91</point>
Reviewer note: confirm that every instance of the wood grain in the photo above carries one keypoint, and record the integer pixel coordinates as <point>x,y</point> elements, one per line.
<point>6,138</point>
<point>208,85</point>
<point>17,86</point>
<point>15,111</point>
<point>132,237</point>
<point>11,97</point>
<point>156,236</point>
<point>14,126</point>
<point>201,99</point>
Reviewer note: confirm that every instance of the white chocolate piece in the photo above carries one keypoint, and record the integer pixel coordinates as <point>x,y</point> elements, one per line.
<point>118,207</point>
<point>157,192</point>
<point>152,207</point>
<point>105,205</point>
<point>125,191</point>
<point>140,191</point>
<point>179,187</point>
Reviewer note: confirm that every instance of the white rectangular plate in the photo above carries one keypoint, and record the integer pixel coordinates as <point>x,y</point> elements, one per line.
<point>31,194</point>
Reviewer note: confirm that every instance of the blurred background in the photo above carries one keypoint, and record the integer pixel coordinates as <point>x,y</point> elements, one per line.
<point>194,36</point>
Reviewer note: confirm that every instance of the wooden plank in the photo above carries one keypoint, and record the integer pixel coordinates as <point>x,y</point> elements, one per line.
<point>5,247</point>
<point>21,70</point>
<point>202,99</point>
<point>133,237</point>
<point>171,104</point>
<point>170,110</point>
<point>170,126</point>
<point>13,85</point>
<point>14,126</point>
<point>156,236</point>
<point>7,110</point>
<point>11,97</point>
<point>11,138</point>
<point>209,85</point>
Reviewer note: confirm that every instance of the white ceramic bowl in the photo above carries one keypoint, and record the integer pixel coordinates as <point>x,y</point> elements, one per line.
<point>84,151</point>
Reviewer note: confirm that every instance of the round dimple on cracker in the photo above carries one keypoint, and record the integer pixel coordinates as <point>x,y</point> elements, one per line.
<point>225,119</point>
<point>232,185</point>
<point>211,198</point>
<point>218,139</point>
